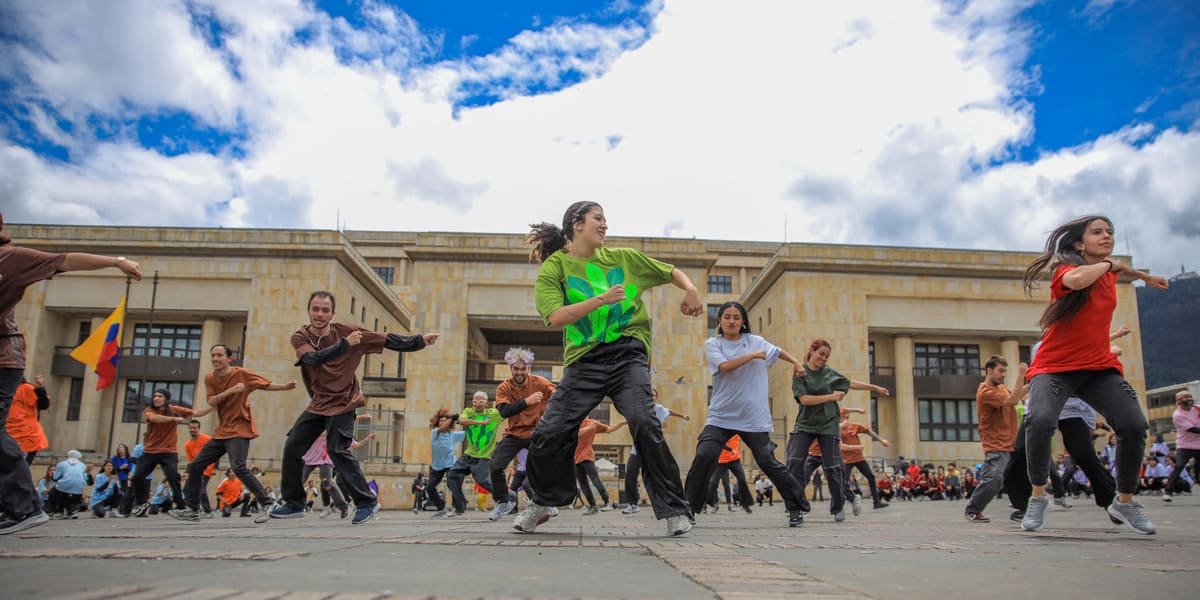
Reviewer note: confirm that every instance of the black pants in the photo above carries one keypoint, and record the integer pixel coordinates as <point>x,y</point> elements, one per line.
<point>1182,457</point>
<point>1108,393</point>
<point>708,451</point>
<point>632,468</point>
<point>831,461</point>
<point>586,476</point>
<point>205,505</point>
<point>17,495</point>
<point>339,432</point>
<point>620,371</point>
<point>865,468</point>
<point>507,450</point>
<point>744,497</point>
<point>1077,439</point>
<point>169,461</point>
<point>518,483</point>
<point>480,470</point>
<point>720,479</point>
<point>431,486</point>
<point>29,456</point>
<point>237,449</point>
<point>113,501</point>
<point>62,502</point>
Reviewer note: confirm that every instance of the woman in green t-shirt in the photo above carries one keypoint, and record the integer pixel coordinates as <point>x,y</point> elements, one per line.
<point>818,392</point>
<point>595,294</point>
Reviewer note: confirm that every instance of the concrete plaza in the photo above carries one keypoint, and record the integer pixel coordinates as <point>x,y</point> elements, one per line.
<point>909,550</point>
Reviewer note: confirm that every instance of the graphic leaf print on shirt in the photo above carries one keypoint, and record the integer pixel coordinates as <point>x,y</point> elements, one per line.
<point>479,436</point>
<point>606,323</point>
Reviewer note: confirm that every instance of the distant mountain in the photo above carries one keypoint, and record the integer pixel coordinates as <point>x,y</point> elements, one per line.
<point>1170,323</point>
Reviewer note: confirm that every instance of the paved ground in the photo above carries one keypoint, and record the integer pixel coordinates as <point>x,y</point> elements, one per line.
<point>909,550</point>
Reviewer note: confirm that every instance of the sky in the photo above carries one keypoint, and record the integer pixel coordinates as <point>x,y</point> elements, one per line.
<point>961,124</point>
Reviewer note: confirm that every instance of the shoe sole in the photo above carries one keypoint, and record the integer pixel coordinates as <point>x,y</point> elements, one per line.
<point>189,519</point>
<point>1031,527</point>
<point>679,532</point>
<point>273,515</point>
<point>543,519</point>
<point>29,523</point>
<point>374,511</point>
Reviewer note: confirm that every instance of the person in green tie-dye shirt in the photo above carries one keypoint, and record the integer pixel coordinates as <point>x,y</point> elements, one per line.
<point>482,426</point>
<point>595,294</point>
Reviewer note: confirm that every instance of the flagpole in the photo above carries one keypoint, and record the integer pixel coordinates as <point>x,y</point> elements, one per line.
<point>112,421</point>
<point>137,438</point>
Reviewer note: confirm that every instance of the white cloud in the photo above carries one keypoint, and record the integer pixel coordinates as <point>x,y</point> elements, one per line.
<point>878,123</point>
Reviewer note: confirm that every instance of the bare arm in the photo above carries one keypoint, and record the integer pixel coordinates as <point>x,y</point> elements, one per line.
<point>797,364</point>
<point>811,400</point>
<point>200,412</point>
<point>1153,281</point>
<point>81,261</point>
<point>691,305</point>
<point>356,443</point>
<point>156,418</point>
<point>870,387</point>
<point>616,426</point>
<point>574,312</point>
<point>1119,333</point>
<point>736,363</point>
<point>680,415</point>
<point>1018,392</point>
<point>280,387</point>
<point>1083,276</point>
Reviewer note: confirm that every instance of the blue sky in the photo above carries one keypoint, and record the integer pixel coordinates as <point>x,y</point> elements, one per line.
<point>907,122</point>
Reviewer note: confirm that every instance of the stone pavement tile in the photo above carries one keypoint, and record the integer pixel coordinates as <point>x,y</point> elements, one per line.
<point>105,593</point>
<point>253,595</point>
<point>206,594</point>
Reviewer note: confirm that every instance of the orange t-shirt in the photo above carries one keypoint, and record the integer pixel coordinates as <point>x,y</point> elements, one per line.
<point>163,438</point>
<point>584,450</point>
<point>850,437</point>
<point>192,447</point>
<point>1080,343</point>
<point>235,420</point>
<point>23,423</point>
<point>734,453</point>
<point>229,490</point>
<point>521,424</point>
<point>997,423</point>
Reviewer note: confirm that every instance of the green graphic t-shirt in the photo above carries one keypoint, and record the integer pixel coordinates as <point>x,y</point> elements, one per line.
<point>481,439</point>
<point>563,280</point>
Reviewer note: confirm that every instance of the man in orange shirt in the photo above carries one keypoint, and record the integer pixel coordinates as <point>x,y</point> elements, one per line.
<point>521,399</point>
<point>996,405</point>
<point>854,459</point>
<point>191,448</point>
<point>585,463</point>
<point>23,423</point>
<point>229,493</point>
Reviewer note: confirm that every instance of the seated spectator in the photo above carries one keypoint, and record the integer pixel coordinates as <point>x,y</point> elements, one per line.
<point>106,493</point>
<point>968,483</point>
<point>937,486</point>
<point>161,500</point>
<point>1079,484</point>
<point>45,485</point>
<point>229,493</point>
<point>1154,476</point>
<point>71,476</point>
<point>953,486</point>
<point>883,483</point>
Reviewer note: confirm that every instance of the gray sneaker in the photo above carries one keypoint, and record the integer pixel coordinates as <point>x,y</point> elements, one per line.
<point>840,515</point>
<point>1132,515</point>
<point>325,512</point>
<point>1062,502</point>
<point>856,504</point>
<point>1035,513</point>
<point>591,510</point>
<point>185,514</point>
<point>630,509</point>
<point>502,509</point>
<point>531,517</point>
<point>678,525</point>
<point>264,515</point>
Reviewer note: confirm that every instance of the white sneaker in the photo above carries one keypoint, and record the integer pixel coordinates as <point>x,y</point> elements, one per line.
<point>502,509</point>
<point>325,512</point>
<point>531,517</point>
<point>678,525</point>
<point>630,509</point>
<point>552,511</point>
<point>606,507</point>
<point>856,504</point>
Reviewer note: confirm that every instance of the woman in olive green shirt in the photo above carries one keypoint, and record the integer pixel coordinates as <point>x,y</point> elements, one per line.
<point>818,392</point>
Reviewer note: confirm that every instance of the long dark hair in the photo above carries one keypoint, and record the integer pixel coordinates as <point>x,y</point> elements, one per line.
<point>1060,250</point>
<point>166,407</point>
<point>545,238</point>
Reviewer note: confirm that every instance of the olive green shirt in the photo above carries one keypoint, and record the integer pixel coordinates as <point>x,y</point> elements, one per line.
<point>821,419</point>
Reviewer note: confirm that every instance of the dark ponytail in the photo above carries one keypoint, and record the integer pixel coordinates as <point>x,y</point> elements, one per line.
<point>1060,250</point>
<point>545,239</point>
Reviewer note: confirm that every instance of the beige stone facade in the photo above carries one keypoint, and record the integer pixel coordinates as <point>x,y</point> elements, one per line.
<point>884,310</point>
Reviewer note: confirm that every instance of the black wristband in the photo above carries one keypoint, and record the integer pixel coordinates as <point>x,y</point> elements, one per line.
<point>1110,265</point>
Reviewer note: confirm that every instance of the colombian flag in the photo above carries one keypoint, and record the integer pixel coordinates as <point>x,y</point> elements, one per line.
<point>102,349</point>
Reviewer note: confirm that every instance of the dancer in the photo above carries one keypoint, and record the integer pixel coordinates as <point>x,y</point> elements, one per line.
<point>1075,360</point>
<point>740,406</point>
<point>480,424</point>
<point>228,389</point>
<point>854,459</point>
<point>818,391</point>
<point>443,439</point>
<point>191,448</point>
<point>633,466</point>
<point>20,268</point>
<point>23,423</point>
<point>522,399</point>
<point>1187,442</point>
<point>730,461</point>
<point>995,404</point>
<point>586,474</point>
<point>161,447</point>
<point>329,355</point>
<point>595,294</point>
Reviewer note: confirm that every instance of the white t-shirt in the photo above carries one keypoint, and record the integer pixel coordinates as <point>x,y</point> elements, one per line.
<point>663,413</point>
<point>740,399</point>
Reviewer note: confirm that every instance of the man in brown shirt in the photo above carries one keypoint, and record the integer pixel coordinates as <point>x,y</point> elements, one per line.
<point>328,355</point>
<point>521,399</point>
<point>996,405</point>
<point>20,268</point>
<point>228,389</point>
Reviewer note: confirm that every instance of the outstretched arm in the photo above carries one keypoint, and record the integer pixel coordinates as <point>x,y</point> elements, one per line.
<point>81,261</point>
<point>691,305</point>
<point>409,343</point>
<point>870,387</point>
<point>280,387</point>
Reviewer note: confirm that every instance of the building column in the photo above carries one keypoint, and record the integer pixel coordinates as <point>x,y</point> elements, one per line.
<point>1010,349</point>
<point>87,430</point>
<point>906,401</point>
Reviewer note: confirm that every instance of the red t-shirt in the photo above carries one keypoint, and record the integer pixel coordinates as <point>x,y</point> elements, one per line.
<point>1080,343</point>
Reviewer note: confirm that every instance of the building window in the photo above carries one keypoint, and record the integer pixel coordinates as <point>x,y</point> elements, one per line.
<point>720,284</point>
<point>768,315</point>
<point>871,360</point>
<point>168,341</point>
<point>353,305</point>
<point>944,420</point>
<point>75,399</point>
<point>546,373</point>
<point>714,317</point>
<point>137,396</point>
<point>363,318</point>
<point>85,329</point>
<point>875,414</point>
<point>387,274</point>
<point>946,359</point>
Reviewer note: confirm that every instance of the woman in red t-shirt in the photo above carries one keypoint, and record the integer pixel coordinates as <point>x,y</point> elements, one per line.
<point>1075,360</point>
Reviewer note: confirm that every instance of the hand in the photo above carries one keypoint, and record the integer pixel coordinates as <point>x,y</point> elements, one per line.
<point>533,399</point>
<point>882,391</point>
<point>685,417</point>
<point>886,444</point>
<point>1118,266</point>
<point>291,385</point>
<point>370,436</point>
<point>837,396</point>
<point>1022,369</point>
<point>692,305</point>
<point>238,388</point>
<point>761,354</point>
<point>431,338</point>
<point>39,381</point>
<point>131,269</point>
<point>1157,282</point>
<point>89,469</point>
<point>354,338</point>
<point>1120,333</point>
<point>615,293</point>
<point>798,369</point>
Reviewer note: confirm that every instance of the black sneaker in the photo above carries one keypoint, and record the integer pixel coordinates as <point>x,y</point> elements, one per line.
<point>1017,515</point>
<point>187,514</point>
<point>18,524</point>
<point>795,518</point>
<point>141,510</point>
<point>978,517</point>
